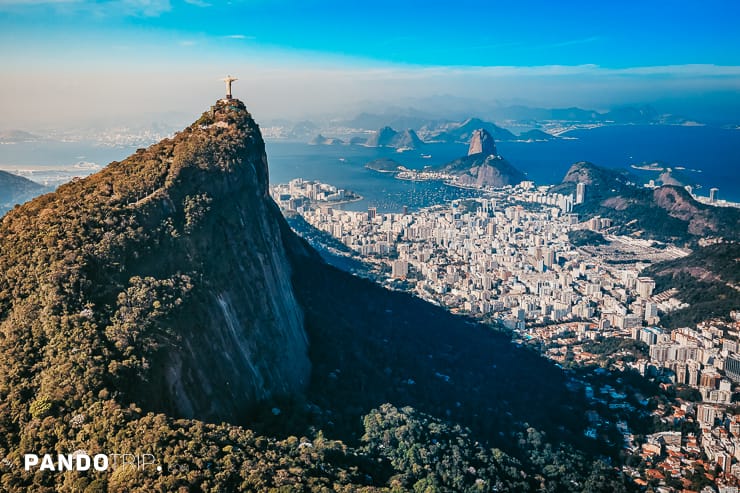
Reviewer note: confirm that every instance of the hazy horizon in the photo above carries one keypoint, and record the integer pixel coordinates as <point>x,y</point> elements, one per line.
<point>81,63</point>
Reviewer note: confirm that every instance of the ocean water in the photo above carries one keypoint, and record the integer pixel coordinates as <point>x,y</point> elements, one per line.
<point>710,156</point>
<point>52,163</point>
<point>713,154</point>
<point>56,154</point>
<point>344,167</point>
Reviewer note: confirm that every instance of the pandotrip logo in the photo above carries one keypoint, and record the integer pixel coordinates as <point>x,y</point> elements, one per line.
<point>80,460</point>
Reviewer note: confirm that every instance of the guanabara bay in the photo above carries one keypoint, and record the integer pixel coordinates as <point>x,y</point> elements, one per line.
<point>162,315</point>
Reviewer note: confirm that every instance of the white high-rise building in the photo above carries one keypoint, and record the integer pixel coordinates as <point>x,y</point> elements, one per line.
<point>400,269</point>
<point>651,310</point>
<point>645,287</point>
<point>580,193</point>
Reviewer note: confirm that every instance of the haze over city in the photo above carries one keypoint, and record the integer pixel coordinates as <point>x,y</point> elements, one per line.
<point>301,245</point>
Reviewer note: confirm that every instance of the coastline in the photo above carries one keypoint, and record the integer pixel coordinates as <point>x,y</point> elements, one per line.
<point>447,182</point>
<point>358,198</point>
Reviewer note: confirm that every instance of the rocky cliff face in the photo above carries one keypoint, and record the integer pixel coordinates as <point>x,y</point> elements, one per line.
<point>482,167</point>
<point>169,264</point>
<point>493,171</point>
<point>677,202</point>
<point>408,139</point>
<point>482,143</point>
<point>601,182</point>
<point>387,137</point>
<point>382,137</point>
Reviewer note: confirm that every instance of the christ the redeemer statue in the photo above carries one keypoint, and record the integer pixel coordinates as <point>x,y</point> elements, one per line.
<point>228,81</point>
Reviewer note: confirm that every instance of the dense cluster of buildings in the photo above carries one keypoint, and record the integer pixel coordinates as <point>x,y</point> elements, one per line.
<point>672,460</point>
<point>506,257</point>
<point>509,258</point>
<point>705,358</point>
<point>299,193</point>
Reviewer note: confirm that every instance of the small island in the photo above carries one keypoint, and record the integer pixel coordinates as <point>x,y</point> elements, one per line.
<point>654,166</point>
<point>536,135</point>
<point>386,165</point>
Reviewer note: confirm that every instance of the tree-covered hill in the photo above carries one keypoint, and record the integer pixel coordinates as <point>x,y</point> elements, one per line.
<point>708,280</point>
<point>666,213</point>
<point>164,306</point>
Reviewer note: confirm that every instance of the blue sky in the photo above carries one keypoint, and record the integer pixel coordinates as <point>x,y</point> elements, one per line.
<point>306,55</point>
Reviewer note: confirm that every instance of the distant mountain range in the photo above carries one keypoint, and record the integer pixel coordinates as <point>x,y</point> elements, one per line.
<point>394,120</point>
<point>387,137</point>
<point>15,136</point>
<point>16,189</point>
<point>434,132</point>
<point>447,114</point>
<point>455,125</point>
<point>463,132</point>
<point>624,114</point>
<point>321,140</point>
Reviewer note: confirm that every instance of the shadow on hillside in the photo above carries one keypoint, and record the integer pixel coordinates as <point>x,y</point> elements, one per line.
<point>369,345</point>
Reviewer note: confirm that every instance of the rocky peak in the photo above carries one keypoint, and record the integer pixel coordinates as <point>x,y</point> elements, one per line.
<point>408,138</point>
<point>229,126</point>
<point>177,253</point>
<point>582,172</point>
<point>482,166</point>
<point>387,137</point>
<point>482,143</point>
<point>382,137</point>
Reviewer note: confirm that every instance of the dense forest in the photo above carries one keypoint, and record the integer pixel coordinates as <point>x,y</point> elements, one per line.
<point>708,280</point>
<point>586,237</point>
<point>129,299</point>
<point>667,213</point>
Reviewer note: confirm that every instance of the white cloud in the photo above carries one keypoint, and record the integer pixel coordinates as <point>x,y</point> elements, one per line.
<point>34,2</point>
<point>702,70</point>
<point>138,8</point>
<point>147,8</point>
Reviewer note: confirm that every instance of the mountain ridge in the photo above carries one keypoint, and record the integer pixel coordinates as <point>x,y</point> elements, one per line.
<point>707,280</point>
<point>666,213</point>
<point>164,302</point>
<point>156,201</point>
<point>463,131</point>
<point>388,137</point>
<point>16,189</point>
